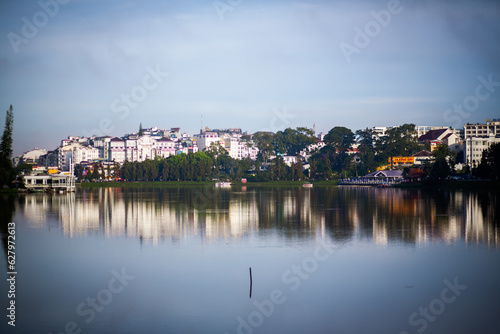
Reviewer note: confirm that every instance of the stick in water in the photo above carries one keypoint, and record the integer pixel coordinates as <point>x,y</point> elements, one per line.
<point>250,282</point>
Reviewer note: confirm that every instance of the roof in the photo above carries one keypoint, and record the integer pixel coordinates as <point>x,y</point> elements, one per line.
<point>445,137</point>
<point>432,135</point>
<point>164,139</point>
<point>386,173</point>
<point>116,139</point>
<point>423,154</point>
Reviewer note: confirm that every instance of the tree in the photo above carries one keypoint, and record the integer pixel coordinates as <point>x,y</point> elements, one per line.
<point>399,141</point>
<point>340,139</point>
<point>367,152</point>
<point>300,167</point>
<point>265,144</point>
<point>95,172</point>
<point>291,142</point>
<point>6,170</point>
<point>218,154</point>
<point>490,162</point>
<point>440,168</point>
<point>141,132</point>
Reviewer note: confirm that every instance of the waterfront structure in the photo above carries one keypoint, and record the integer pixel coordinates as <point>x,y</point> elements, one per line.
<point>42,179</point>
<point>381,177</point>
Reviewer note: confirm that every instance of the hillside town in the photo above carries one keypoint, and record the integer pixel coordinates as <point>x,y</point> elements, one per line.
<point>153,142</point>
<point>105,156</point>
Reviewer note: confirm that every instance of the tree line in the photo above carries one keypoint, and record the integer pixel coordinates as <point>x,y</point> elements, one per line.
<point>7,172</point>
<point>332,161</point>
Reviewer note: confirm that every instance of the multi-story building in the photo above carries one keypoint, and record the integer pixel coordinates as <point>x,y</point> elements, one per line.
<point>102,144</point>
<point>117,152</point>
<point>490,129</point>
<point>206,139</point>
<point>85,154</point>
<point>165,147</point>
<point>478,137</point>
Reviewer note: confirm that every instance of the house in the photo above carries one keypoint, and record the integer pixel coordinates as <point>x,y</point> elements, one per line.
<point>439,136</point>
<point>422,157</point>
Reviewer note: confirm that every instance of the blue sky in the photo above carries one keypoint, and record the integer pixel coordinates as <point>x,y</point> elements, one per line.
<point>89,65</point>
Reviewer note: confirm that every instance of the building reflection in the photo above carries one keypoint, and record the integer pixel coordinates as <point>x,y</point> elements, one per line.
<point>384,216</point>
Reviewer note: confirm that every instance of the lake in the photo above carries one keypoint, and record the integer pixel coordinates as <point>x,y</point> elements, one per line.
<point>323,260</point>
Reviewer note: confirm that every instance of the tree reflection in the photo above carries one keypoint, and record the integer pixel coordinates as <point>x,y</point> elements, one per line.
<point>344,213</point>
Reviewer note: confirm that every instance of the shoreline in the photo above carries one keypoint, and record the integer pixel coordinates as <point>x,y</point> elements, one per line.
<point>155,184</point>
<point>454,184</point>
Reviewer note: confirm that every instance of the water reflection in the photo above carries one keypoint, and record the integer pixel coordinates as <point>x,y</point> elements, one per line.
<point>381,215</point>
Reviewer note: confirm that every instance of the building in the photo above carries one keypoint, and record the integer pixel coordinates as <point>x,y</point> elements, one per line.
<point>438,137</point>
<point>85,154</point>
<point>31,157</point>
<point>479,137</point>
<point>422,157</point>
<point>117,152</point>
<point>206,139</point>
<point>490,129</point>
<point>423,129</point>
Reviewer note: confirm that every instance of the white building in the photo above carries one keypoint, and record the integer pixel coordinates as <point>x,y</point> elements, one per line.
<point>205,139</point>
<point>140,149</point>
<point>102,143</point>
<point>85,154</point>
<point>165,147</point>
<point>33,156</point>
<point>474,147</point>
<point>479,137</point>
<point>117,151</point>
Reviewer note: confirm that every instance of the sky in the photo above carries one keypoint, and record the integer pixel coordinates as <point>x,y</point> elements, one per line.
<point>83,67</point>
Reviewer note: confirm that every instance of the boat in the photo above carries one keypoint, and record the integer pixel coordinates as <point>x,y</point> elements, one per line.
<point>307,185</point>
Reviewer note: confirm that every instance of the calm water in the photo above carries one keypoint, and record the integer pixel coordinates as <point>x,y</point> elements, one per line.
<point>324,260</point>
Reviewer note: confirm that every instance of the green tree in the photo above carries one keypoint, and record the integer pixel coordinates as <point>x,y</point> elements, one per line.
<point>490,162</point>
<point>6,170</point>
<point>292,141</point>
<point>219,155</point>
<point>265,144</point>
<point>340,139</point>
<point>141,132</point>
<point>367,152</point>
<point>300,167</point>
<point>95,172</point>
<point>399,141</point>
<point>440,168</point>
